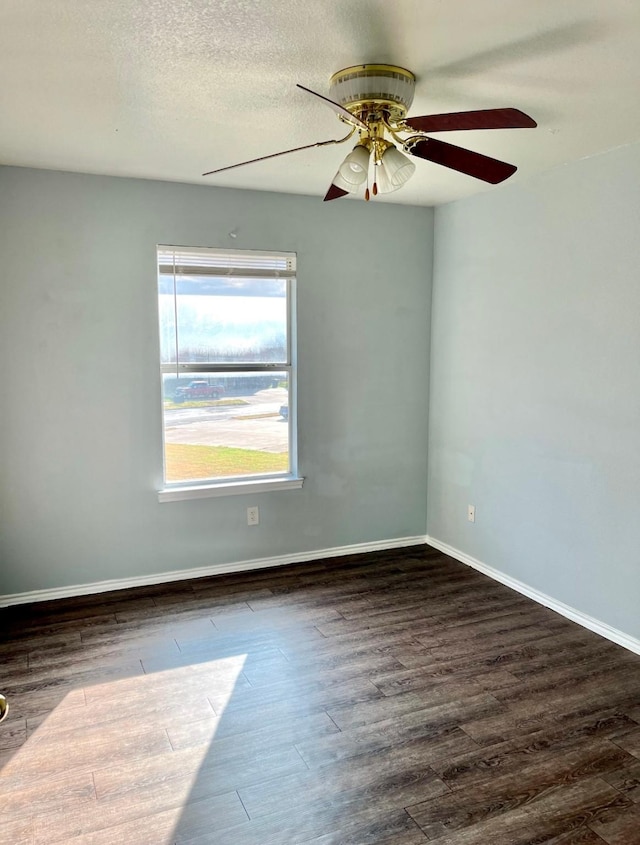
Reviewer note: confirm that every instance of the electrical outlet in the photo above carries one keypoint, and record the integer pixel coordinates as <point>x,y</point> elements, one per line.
<point>253,516</point>
<point>471,513</point>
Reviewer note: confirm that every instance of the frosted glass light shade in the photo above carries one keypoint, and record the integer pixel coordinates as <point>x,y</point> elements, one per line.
<point>399,169</point>
<point>342,183</point>
<point>385,185</point>
<point>355,166</point>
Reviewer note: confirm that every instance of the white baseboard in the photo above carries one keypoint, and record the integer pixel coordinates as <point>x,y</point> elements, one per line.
<point>595,625</point>
<point>204,571</point>
<point>583,619</point>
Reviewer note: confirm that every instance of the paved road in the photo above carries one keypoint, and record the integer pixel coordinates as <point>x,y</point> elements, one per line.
<point>233,425</point>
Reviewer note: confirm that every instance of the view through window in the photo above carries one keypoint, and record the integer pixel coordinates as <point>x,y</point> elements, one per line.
<point>226,352</point>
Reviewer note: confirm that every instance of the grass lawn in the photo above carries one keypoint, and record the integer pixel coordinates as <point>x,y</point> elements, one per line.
<point>186,462</point>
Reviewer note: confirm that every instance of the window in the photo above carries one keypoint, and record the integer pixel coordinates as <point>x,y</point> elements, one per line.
<point>227,355</point>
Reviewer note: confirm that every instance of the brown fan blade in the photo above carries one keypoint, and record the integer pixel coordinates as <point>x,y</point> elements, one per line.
<point>465,161</point>
<point>283,153</point>
<point>334,193</point>
<point>338,109</point>
<point>480,119</point>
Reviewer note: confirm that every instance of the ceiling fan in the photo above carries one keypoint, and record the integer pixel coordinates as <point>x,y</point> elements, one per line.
<point>374,100</point>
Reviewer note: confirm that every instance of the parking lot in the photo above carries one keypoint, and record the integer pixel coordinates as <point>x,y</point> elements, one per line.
<point>254,425</point>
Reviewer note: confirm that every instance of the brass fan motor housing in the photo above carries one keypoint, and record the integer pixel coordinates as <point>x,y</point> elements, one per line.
<point>374,92</point>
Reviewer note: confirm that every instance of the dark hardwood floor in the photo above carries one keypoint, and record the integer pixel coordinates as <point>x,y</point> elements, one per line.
<point>388,699</point>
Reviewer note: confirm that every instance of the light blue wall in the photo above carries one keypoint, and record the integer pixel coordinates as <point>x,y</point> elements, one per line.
<point>80,431</point>
<point>535,383</point>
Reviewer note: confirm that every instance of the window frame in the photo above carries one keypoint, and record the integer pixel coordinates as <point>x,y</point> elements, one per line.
<point>238,484</point>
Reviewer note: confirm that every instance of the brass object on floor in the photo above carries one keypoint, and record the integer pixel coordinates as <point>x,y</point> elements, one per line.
<point>4,707</point>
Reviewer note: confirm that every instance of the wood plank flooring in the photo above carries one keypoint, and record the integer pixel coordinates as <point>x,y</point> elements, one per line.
<point>396,698</point>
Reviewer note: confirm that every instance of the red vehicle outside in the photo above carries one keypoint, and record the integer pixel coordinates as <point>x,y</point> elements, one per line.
<point>198,389</point>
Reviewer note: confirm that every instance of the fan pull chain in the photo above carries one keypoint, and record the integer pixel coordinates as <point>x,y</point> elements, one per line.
<point>367,195</point>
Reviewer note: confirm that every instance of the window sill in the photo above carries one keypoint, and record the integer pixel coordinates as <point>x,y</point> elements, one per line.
<point>229,488</point>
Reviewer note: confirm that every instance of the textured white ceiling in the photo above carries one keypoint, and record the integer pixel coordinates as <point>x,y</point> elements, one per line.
<point>166,89</point>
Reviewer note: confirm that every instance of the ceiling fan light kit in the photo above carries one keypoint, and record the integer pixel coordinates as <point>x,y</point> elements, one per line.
<point>373,100</point>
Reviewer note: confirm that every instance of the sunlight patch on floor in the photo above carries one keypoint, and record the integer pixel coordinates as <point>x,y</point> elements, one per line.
<point>104,759</point>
